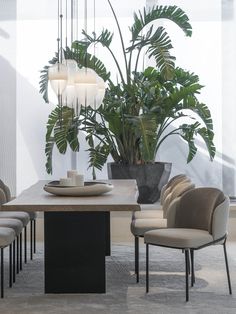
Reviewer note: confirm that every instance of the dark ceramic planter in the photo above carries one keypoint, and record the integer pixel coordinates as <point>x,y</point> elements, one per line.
<point>150,178</point>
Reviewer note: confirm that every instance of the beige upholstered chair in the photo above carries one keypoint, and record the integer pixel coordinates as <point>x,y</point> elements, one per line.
<point>194,221</point>
<point>166,190</point>
<point>25,218</point>
<point>140,226</point>
<point>7,236</point>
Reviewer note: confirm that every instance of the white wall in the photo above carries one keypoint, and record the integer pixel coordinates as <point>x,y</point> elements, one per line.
<point>8,93</point>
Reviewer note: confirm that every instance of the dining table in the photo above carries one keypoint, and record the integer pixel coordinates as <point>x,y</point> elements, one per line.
<point>76,233</point>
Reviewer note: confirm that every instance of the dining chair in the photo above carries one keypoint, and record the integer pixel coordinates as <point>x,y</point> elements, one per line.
<point>17,226</point>
<point>7,237</point>
<point>194,221</point>
<point>32,217</point>
<point>166,190</point>
<point>139,226</point>
<point>25,217</point>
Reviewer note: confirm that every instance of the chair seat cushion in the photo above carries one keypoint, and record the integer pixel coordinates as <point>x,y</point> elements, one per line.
<point>148,213</point>
<point>140,226</point>
<point>12,223</point>
<point>22,216</point>
<point>7,236</point>
<point>178,237</point>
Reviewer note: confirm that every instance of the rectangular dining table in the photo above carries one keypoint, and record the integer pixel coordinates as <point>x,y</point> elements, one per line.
<point>76,233</point>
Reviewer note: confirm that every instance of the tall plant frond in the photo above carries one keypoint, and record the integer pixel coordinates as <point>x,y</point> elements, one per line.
<point>98,156</point>
<point>207,135</point>
<point>105,38</point>
<point>72,138</point>
<point>185,78</point>
<point>52,121</point>
<point>172,13</point>
<point>61,129</point>
<point>85,59</point>
<point>146,126</point>
<point>182,93</point>
<point>190,131</point>
<point>48,152</point>
<point>43,83</point>
<point>159,49</point>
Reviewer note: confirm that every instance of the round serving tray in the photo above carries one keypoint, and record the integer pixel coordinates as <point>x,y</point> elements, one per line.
<point>89,189</point>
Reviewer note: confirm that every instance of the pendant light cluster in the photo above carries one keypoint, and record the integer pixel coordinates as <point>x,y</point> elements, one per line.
<point>74,86</point>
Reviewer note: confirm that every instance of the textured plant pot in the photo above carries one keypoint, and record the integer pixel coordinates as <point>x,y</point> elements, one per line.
<point>150,178</point>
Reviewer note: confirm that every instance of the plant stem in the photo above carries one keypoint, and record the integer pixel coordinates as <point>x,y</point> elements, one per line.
<point>170,133</point>
<point>136,64</point>
<point>122,42</point>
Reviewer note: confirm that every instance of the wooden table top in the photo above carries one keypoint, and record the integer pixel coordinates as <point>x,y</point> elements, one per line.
<point>122,198</point>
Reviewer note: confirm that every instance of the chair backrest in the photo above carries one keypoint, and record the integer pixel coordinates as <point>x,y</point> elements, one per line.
<point>6,190</point>
<point>178,190</point>
<point>3,198</point>
<point>175,178</point>
<point>198,209</point>
<point>170,187</point>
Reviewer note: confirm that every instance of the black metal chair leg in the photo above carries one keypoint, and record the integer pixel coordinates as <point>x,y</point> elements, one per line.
<point>31,239</point>
<point>25,244</point>
<point>192,268</point>
<point>34,222</point>
<point>189,269</point>
<point>17,254</point>
<point>137,258</point>
<point>14,262</point>
<point>187,273</point>
<point>147,268</point>
<point>10,265</point>
<point>2,274</point>
<point>21,251</point>
<point>227,267</point>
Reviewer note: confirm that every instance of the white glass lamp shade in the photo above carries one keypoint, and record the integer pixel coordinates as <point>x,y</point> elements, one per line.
<point>72,69</point>
<point>69,96</point>
<point>101,91</point>
<point>86,86</point>
<point>58,76</point>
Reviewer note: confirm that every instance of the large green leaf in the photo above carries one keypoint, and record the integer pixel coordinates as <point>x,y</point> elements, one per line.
<point>189,133</point>
<point>105,38</point>
<point>48,151</point>
<point>146,132</point>
<point>43,83</point>
<point>159,49</point>
<point>98,156</point>
<point>52,121</point>
<point>172,13</point>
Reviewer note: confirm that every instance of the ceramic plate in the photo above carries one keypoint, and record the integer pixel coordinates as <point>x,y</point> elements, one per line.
<point>89,189</point>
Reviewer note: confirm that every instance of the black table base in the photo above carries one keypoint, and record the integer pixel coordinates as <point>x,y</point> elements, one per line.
<point>75,247</point>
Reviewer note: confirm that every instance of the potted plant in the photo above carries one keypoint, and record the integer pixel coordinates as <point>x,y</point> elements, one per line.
<point>138,111</point>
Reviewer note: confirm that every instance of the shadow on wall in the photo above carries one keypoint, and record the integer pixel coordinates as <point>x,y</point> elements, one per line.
<point>8,124</point>
<point>29,134</point>
<point>4,34</point>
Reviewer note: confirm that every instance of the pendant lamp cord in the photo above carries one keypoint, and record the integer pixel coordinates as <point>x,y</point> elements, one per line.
<point>58,31</point>
<point>66,24</point>
<point>94,48</point>
<point>61,17</point>
<point>86,60</point>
